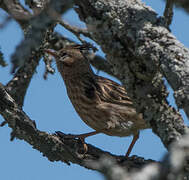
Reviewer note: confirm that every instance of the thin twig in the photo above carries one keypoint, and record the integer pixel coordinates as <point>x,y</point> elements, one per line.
<point>2,61</point>
<point>183,4</point>
<point>48,66</point>
<point>17,11</point>
<point>75,30</point>
<point>168,12</point>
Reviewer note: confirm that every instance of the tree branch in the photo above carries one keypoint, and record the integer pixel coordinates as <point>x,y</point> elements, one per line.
<point>75,30</point>
<point>168,12</point>
<point>137,45</point>
<point>182,4</point>
<point>16,11</point>
<point>2,61</point>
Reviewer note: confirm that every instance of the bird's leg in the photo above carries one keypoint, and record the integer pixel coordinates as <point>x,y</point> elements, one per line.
<point>79,136</point>
<point>135,138</point>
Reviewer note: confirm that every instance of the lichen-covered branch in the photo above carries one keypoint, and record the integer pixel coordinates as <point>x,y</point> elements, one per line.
<point>139,47</point>
<point>64,150</point>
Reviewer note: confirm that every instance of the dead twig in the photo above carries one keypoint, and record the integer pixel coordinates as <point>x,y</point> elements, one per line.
<point>168,12</point>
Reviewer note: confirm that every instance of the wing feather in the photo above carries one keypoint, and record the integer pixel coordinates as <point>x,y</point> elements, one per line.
<point>112,92</point>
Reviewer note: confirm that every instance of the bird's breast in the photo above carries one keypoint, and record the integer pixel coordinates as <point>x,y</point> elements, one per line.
<point>85,104</point>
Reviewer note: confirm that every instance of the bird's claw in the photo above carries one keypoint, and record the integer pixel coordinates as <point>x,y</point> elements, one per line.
<point>72,136</point>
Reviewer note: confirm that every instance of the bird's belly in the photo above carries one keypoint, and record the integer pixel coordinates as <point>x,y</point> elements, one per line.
<point>105,125</point>
<point>92,117</point>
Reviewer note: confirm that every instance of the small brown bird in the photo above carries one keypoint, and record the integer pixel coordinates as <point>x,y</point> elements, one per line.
<point>100,102</point>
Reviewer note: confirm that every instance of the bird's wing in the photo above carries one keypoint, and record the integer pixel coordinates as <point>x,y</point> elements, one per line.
<point>111,92</point>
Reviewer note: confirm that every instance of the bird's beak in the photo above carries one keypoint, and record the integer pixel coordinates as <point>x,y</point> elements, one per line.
<point>51,52</point>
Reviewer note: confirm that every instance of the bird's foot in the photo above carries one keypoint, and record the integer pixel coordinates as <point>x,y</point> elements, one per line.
<point>80,137</point>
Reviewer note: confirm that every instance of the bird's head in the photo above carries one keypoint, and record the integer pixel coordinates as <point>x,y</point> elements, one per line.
<point>71,59</point>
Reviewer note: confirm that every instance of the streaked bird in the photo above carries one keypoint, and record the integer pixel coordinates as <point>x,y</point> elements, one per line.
<point>100,102</point>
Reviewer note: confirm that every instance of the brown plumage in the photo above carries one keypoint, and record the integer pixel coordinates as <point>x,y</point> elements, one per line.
<point>100,102</point>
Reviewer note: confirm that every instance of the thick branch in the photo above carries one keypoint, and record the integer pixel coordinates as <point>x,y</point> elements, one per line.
<point>67,151</point>
<point>137,45</point>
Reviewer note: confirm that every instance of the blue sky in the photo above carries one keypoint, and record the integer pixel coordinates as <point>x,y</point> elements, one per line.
<point>46,102</point>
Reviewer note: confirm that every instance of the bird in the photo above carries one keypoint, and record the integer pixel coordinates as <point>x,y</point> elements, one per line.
<point>101,103</point>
